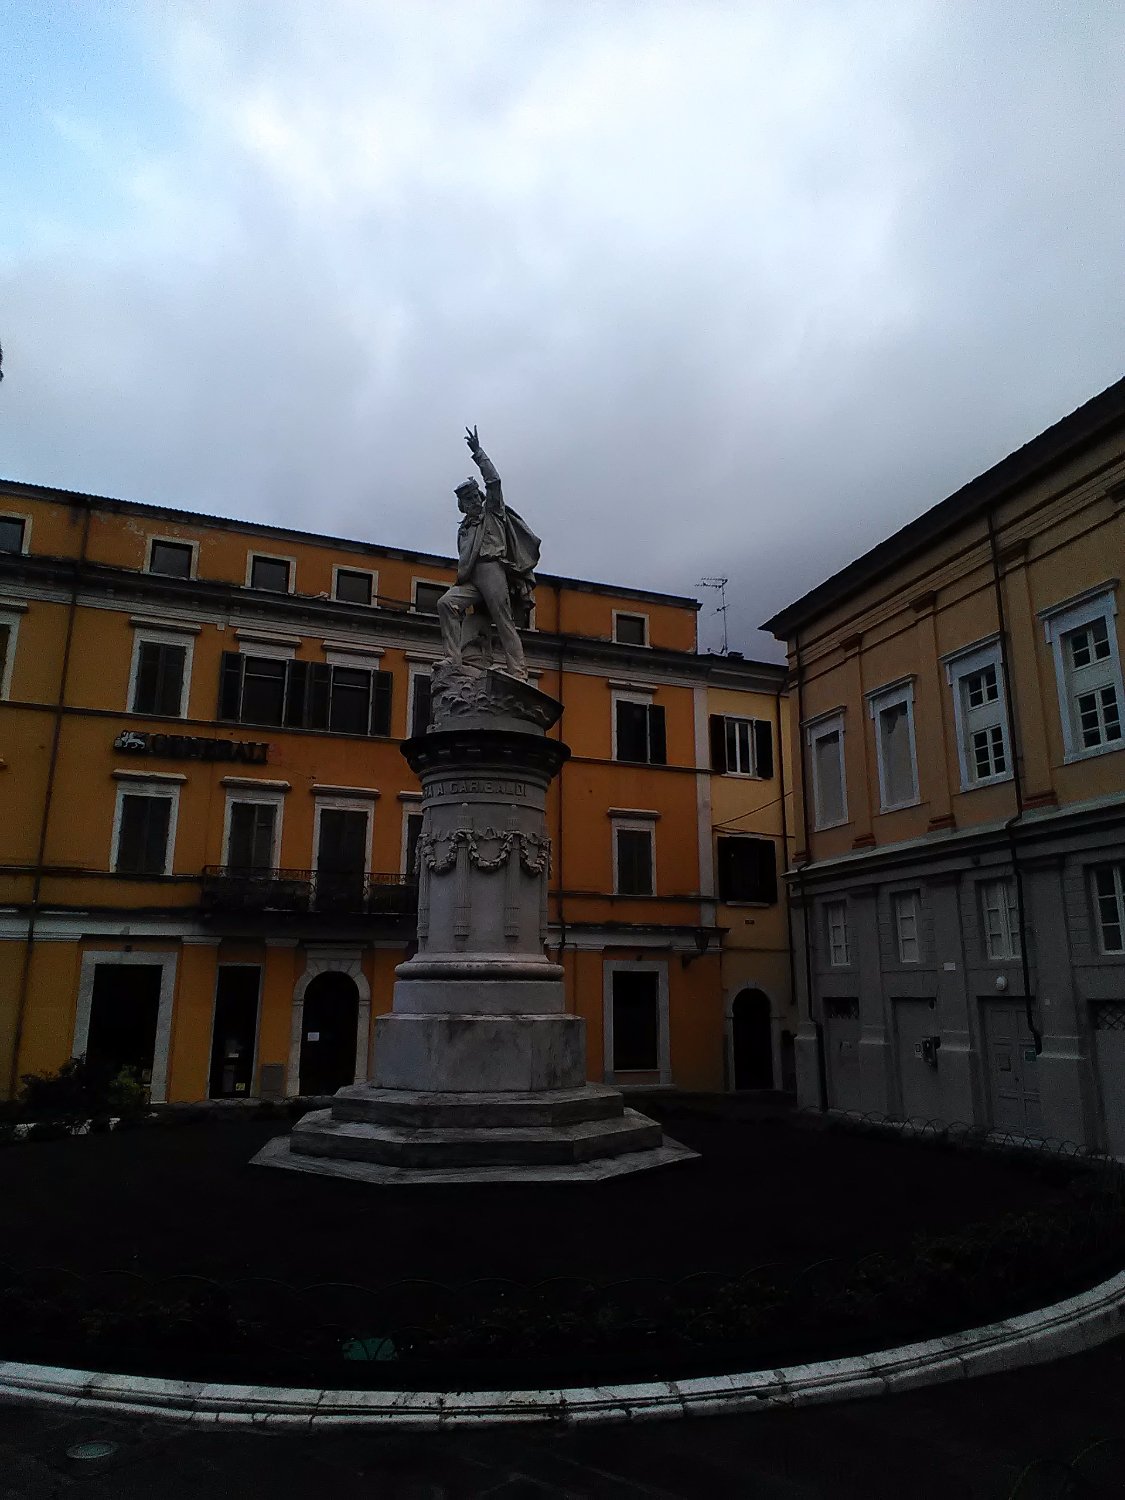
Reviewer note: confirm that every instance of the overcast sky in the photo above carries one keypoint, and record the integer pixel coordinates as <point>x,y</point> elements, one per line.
<point>729,288</point>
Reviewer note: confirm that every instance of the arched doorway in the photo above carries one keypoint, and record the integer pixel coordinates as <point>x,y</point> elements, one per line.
<point>328,1033</point>
<point>752,1040</point>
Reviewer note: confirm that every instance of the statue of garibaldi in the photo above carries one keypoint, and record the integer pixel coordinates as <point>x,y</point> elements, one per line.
<point>497,553</point>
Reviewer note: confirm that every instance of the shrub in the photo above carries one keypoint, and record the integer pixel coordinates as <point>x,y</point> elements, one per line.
<point>80,1090</point>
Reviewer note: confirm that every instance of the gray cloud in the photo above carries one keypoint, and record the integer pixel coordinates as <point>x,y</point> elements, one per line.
<point>729,290</point>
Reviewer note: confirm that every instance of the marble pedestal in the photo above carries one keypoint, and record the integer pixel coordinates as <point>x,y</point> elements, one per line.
<point>480,1073</point>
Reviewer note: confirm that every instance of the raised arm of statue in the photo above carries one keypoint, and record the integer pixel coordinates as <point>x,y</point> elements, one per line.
<point>494,495</point>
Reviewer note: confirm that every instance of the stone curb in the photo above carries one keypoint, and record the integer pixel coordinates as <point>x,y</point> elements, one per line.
<point>1063,1328</point>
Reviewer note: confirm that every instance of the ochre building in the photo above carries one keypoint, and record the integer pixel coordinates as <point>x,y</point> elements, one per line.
<point>207,826</point>
<point>959,885</point>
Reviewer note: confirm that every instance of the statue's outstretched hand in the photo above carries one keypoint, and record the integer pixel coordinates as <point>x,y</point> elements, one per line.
<point>472,440</point>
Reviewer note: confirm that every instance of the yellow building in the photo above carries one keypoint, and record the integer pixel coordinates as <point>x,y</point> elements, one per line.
<point>207,825</point>
<point>960,786</point>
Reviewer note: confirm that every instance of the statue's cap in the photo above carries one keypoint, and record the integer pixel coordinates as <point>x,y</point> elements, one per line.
<point>466,485</point>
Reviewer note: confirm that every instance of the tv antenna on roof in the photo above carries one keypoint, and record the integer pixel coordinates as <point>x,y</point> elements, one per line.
<point>721,609</point>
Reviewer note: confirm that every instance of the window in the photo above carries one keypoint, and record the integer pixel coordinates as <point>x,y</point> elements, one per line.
<point>1083,637</point>
<point>976,678</point>
<point>747,869</point>
<point>9,634</point>
<point>839,945</point>
<point>634,858</point>
<point>305,694</point>
<point>353,587</point>
<point>904,905</point>
<point>253,825</point>
<point>825,738</point>
<point>161,666</point>
<point>271,573</point>
<point>892,709</point>
<point>634,1030</point>
<point>174,559</point>
<point>411,830</point>
<point>144,829</point>
<point>639,731</point>
<point>741,747</point>
<point>1001,919</point>
<point>12,532</point>
<point>419,702</point>
<point>1109,898</point>
<point>426,596</point>
<point>630,630</point>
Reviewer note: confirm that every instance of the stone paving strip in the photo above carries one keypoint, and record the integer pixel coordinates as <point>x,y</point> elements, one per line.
<point>1066,1327</point>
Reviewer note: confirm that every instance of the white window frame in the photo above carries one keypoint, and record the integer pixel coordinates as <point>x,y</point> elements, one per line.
<point>960,665</point>
<point>146,784</point>
<point>818,729</point>
<point>372,573</point>
<point>879,700</point>
<point>1117,869</point>
<point>663,1039</point>
<point>146,635</point>
<point>899,909</point>
<point>629,695</point>
<point>752,774</point>
<point>1058,621</point>
<point>272,557</point>
<point>269,796</point>
<point>632,614</point>
<point>436,583</point>
<point>637,823</point>
<point>364,804</point>
<point>10,616</point>
<point>831,926</point>
<point>1008,910</point>
<point>175,541</point>
<point>158,1088</point>
<point>18,515</point>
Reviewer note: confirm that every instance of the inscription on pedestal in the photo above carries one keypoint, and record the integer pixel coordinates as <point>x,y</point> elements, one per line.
<point>481,786</point>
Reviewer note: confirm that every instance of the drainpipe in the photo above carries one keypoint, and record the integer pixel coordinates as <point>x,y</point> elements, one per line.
<point>821,1064</point>
<point>1017,780</point>
<point>52,766</point>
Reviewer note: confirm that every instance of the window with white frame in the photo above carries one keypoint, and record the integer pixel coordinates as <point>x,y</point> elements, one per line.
<point>160,675</point>
<point>426,595</point>
<point>9,634</point>
<point>904,905</point>
<point>839,939</point>
<point>892,710</point>
<point>630,630</point>
<point>14,532</point>
<point>1109,900</point>
<point>741,747</point>
<point>1083,637</point>
<point>638,729</point>
<point>170,558</point>
<point>144,827</point>
<point>418,708</point>
<point>1000,907</point>
<point>825,739</point>
<point>354,585</point>
<point>252,836</point>
<point>976,678</point>
<point>634,857</point>
<point>268,572</point>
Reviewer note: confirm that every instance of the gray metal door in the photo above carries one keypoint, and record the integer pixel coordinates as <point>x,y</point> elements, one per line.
<point>919,1080</point>
<point>1109,1052</point>
<point>841,1045</point>
<point>1013,1074</point>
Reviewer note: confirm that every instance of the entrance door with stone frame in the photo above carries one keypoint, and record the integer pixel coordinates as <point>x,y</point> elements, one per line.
<point>328,1041</point>
<point>1012,1068</point>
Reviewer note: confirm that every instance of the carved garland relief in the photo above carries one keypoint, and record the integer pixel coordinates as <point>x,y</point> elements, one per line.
<point>437,852</point>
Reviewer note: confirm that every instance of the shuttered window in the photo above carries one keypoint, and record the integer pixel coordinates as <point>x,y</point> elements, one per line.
<point>634,861</point>
<point>159,683</point>
<point>747,869</point>
<point>741,747</point>
<point>250,845</point>
<point>142,839</point>
<point>305,695</point>
<point>640,732</point>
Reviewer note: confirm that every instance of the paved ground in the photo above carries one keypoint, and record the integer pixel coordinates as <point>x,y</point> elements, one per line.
<point>1039,1434</point>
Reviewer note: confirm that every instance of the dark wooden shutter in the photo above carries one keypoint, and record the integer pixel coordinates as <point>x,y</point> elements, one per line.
<point>420,714</point>
<point>632,730</point>
<point>657,741</point>
<point>765,874</point>
<point>763,748</point>
<point>230,685</point>
<point>747,870</point>
<point>718,743</point>
<point>381,696</point>
<point>148,679</point>
<point>320,685</point>
<point>296,690</point>
<point>171,679</point>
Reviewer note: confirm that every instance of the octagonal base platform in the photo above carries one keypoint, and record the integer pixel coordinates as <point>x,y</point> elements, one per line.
<point>380,1135</point>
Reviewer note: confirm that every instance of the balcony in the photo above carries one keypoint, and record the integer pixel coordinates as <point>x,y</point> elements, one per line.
<point>228,889</point>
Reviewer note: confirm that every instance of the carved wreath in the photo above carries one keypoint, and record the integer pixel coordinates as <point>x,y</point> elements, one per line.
<point>437,852</point>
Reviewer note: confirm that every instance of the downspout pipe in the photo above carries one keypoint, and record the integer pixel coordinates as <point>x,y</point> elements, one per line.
<point>44,823</point>
<point>1017,778</point>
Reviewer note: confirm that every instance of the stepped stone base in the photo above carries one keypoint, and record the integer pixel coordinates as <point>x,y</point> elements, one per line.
<point>387,1136</point>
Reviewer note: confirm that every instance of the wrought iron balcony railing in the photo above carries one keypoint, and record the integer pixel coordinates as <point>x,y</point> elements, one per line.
<point>230,888</point>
